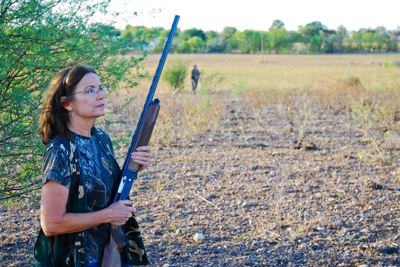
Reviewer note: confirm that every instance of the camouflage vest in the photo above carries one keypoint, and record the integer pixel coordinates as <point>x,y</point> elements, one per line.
<point>68,250</point>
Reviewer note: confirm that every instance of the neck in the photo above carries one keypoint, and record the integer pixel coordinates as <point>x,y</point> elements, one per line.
<point>81,127</point>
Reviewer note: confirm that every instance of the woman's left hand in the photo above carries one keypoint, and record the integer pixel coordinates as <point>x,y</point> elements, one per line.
<point>142,156</point>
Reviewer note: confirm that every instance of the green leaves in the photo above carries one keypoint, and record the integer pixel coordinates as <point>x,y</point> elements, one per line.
<point>175,73</point>
<point>39,38</point>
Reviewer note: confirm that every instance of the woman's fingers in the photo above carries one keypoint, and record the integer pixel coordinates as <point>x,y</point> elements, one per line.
<point>142,160</point>
<point>126,202</point>
<point>144,148</point>
<point>123,212</point>
<point>143,151</point>
<point>142,156</point>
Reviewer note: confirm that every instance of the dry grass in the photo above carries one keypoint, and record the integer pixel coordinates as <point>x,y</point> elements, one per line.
<point>296,85</point>
<point>286,72</point>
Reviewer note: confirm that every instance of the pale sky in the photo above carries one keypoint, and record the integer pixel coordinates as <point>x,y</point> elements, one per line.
<point>259,15</point>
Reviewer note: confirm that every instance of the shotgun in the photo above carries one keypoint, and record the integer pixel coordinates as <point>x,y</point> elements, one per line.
<point>144,129</point>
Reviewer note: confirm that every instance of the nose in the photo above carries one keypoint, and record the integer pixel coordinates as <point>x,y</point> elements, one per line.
<point>100,95</point>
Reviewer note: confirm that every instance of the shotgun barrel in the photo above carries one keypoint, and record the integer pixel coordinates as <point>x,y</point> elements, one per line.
<point>144,129</point>
<point>145,125</point>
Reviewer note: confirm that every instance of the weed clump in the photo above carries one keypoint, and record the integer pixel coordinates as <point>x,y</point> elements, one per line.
<point>354,81</point>
<point>238,88</point>
<point>210,82</point>
<point>389,64</point>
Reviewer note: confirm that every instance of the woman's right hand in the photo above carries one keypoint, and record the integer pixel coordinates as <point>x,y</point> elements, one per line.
<point>120,212</point>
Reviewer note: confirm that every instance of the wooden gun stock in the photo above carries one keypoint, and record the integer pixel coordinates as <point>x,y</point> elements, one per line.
<point>145,132</point>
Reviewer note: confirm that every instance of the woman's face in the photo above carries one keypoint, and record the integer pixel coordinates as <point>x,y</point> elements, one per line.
<point>88,106</point>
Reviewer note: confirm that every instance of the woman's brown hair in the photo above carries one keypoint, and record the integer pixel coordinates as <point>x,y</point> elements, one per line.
<point>54,120</point>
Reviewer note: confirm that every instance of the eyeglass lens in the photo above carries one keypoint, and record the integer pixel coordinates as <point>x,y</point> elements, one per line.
<point>93,90</point>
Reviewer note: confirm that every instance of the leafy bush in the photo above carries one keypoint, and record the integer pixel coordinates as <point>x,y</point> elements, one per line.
<point>175,73</point>
<point>39,38</point>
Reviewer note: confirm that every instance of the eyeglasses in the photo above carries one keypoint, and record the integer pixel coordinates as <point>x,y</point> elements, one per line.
<point>93,91</point>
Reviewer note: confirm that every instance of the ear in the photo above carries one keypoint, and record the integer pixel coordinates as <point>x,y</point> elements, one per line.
<point>66,106</point>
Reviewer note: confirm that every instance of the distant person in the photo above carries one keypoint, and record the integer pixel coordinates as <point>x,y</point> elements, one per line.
<point>195,77</point>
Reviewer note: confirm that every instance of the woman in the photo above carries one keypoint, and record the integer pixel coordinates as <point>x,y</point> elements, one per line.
<point>80,175</point>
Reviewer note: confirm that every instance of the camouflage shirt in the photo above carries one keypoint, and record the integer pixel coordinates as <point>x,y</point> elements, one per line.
<point>99,183</point>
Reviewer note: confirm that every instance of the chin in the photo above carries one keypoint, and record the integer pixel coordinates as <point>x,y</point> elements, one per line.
<point>100,113</point>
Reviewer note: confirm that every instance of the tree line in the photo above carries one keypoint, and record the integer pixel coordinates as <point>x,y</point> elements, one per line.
<point>314,37</point>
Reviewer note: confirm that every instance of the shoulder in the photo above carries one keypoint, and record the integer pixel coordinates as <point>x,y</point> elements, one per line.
<point>56,166</point>
<point>59,145</point>
<point>55,158</point>
<point>57,151</point>
<point>55,154</point>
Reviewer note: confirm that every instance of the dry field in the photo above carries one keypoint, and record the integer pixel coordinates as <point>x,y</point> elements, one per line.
<point>287,72</point>
<point>284,162</point>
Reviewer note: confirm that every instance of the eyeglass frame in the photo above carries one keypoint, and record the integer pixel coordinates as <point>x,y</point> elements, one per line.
<point>103,89</point>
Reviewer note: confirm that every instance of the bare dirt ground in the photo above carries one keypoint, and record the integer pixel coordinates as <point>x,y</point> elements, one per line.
<point>259,195</point>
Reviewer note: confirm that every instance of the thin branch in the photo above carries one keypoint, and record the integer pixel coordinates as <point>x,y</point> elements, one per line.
<point>203,198</point>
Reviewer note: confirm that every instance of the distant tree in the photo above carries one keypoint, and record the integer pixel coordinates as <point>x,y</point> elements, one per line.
<point>311,35</point>
<point>392,45</point>
<point>341,31</point>
<point>266,44</point>
<point>139,33</point>
<point>228,32</point>
<point>232,43</point>
<point>277,24</point>
<point>161,38</point>
<point>330,41</point>
<point>215,45</point>
<point>196,44</point>
<point>189,33</point>
<point>295,37</point>
<point>338,38</point>
<point>215,42</point>
<point>382,39</point>
<point>315,43</point>
<point>313,28</point>
<point>243,40</point>
<point>184,47</point>
<point>369,40</point>
<point>109,30</point>
<point>212,34</point>
<point>176,41</point>
<point>395,34</point>
<point>278,37</point>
